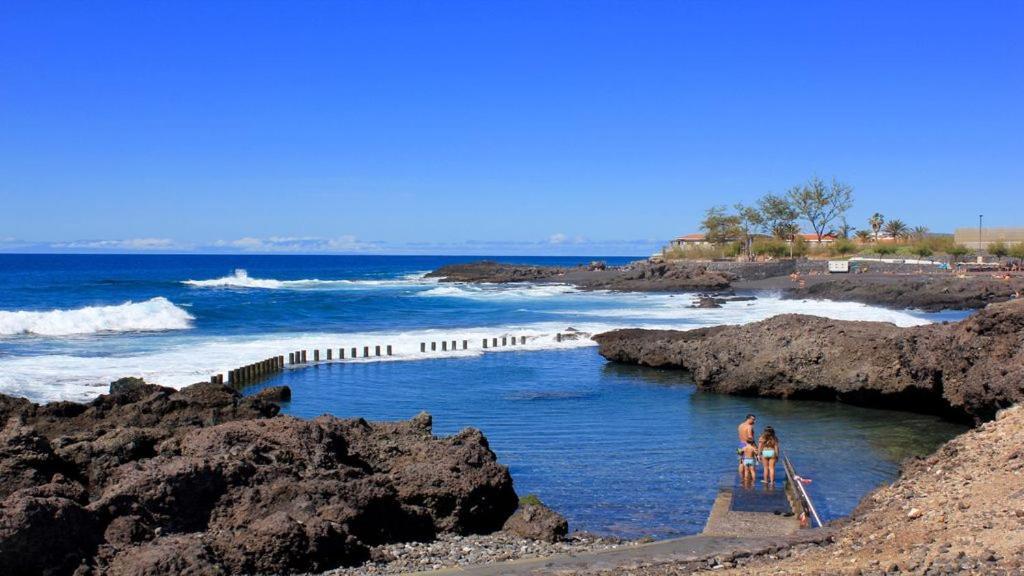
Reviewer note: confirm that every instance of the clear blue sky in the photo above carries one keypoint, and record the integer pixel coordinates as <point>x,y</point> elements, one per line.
<point>492,127</point>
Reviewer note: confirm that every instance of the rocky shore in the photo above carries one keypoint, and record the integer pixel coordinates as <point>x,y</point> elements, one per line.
<point>152,480</point>
<point>966,370</point>
<point>891,286</point>
<point>636,277</point>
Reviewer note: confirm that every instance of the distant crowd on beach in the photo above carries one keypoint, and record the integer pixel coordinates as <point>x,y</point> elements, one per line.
<point>754,450</point>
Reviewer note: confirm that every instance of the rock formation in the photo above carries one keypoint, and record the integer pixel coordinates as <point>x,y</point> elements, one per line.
<point>966,370</point>
<point>151,480</point>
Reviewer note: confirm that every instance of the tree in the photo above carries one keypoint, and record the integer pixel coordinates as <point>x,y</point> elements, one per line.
<point>750,220</point>
<point>896,229</point>
<point>998,249</point>
<point>720,227</point>
<point>920,232</point>
<point>778,217</point>
<point>843,231</point>
<point>820,203</point>
<point>876,221</point>
<point>863,236</point>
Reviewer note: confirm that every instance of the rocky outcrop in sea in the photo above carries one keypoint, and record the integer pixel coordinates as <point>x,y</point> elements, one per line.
<point>152,480</point>
<point>966,370</point>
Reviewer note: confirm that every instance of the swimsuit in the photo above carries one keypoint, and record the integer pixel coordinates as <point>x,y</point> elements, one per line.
<point>748,461</point>
<point>768,453</point>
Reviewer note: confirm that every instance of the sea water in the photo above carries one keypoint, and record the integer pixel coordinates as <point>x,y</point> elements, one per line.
<point>619,450</point>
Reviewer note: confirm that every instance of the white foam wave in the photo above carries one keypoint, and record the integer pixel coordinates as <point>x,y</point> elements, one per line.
<point>498,291</point>
<point>152,315</point>
<point>193,359</point>
<point>680,310</point>
<point>241,279</point>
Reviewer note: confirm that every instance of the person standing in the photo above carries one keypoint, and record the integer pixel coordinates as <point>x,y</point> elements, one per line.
<point>746,436</point>
<point>768,445</point>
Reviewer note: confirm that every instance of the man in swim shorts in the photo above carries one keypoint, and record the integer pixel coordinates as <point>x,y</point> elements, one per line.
<point>746,436</point>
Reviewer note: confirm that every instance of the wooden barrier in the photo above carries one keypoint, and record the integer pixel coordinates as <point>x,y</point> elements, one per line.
<point>444,345</point>
<point>389,349</point>
<point>316,355</point>
<point>341,353</point>
<point>366,351</point>
<point>485,342</point>
<point>353,352</point>
<point>329,352</point>
<point>376,350</point>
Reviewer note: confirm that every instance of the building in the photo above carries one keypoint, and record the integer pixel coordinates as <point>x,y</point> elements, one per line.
<point>969,238</point>
<point>698,240</point>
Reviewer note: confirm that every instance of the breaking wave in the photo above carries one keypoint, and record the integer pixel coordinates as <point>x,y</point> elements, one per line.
<point>156,314</point>
<point>241,279</point>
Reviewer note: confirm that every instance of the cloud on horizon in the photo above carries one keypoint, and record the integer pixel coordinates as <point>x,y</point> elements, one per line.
<point>558,244</point>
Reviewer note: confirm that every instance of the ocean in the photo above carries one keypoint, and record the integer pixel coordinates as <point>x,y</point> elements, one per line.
<point>619,450</point>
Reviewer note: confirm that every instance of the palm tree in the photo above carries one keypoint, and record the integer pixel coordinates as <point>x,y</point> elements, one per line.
<point>876,221</point>
<point>897,229</point>
<point>920,232</point>
<point>863,236</point>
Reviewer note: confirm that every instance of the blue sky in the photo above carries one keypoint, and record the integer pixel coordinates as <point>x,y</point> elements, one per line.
<point>492,127</point>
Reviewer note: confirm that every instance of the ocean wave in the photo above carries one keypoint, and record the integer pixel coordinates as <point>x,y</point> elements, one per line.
<point>498,291</point>
<point>193,358</point>
<point>241,279</point>
<point>156,314</point>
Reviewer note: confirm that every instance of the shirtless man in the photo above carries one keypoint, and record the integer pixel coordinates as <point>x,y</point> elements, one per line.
<point>747,436</point>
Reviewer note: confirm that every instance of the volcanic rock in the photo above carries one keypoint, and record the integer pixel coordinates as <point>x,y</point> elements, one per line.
<point>537,522</point>
<point>966,370</point>
<point>151,480</point>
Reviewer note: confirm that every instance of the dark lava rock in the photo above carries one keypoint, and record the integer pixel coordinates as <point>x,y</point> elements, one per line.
<point>929,292</point>
<point>537,522</point>
<point>275,394</point>
<point>707,302</point>
<point>966,370</point>
<point>489,271</point>
<point>151,480</point>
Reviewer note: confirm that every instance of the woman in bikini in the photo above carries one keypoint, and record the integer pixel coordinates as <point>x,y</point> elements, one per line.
<point>768,445</point>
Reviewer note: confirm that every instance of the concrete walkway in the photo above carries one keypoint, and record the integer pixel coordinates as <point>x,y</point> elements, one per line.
<point>688,549</point>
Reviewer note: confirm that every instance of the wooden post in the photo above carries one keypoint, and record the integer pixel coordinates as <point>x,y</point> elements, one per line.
<point>303,356</point>
<point>522,340</point>
<point>494,342</point>
<point>558,337</point>
<point>504,340</point>
<point>329,352</point>
<point>366,351</point>
<point>291,357</point>
<point>423,346</point>
<point>231,377</point>
<point>389,349</point>
<point>213,379</point>
<point>353,352</point>
<point>376,350</point>
<point>316,355</point>
<point>465,344</point>
<point>280,362</point>
<point>485,342</point>
<point>454,345</point>
<point>444,345</point>
<point>341,353</point>
<point>433,346</point>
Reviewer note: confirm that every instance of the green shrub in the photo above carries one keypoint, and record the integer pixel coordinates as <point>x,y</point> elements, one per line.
<point>773,248</point>
<point>957,251</point>
<point>800,247</point>
<point>998,249</point>
<point>1017,250</point>
<point>922,250</point>
<point>842,247</point>
<point>884,249</point>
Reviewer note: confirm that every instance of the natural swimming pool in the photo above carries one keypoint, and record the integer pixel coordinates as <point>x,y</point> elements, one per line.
<point>621,450</point>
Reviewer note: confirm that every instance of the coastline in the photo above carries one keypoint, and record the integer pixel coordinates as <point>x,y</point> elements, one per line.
<point>895,286</point>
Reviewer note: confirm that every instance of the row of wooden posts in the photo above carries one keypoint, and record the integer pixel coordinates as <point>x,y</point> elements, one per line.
<point>252,373</point>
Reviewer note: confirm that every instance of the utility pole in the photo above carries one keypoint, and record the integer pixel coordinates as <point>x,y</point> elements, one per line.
<point>980,216</point>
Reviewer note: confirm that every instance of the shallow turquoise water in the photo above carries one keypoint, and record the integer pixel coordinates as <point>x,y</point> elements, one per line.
<point>620,450</point>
